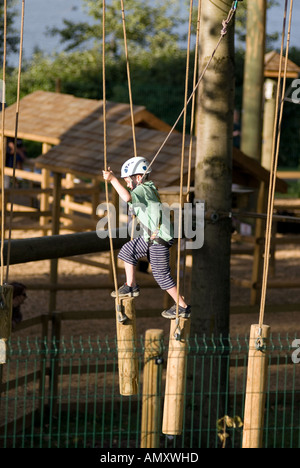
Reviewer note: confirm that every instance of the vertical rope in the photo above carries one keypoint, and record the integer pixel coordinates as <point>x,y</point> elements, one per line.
<point>128,78</point>
<point>274,160</point>
<point>16,136</point>
<point>182,158</point>
<point>3,145</point>
<point>225,24</point>
<point>130,98</point>
<point>105,155</point>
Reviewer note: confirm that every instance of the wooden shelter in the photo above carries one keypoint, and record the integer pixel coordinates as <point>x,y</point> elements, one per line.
<point>272,60</point>
<point>71,130</point>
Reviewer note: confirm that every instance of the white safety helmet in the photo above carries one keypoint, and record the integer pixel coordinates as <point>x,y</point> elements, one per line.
<point>135,165</point>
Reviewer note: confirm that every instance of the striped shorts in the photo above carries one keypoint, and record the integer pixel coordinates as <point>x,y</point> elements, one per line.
<point>159,257</point>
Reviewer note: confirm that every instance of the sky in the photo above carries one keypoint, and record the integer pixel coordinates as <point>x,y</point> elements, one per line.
<point>42,14</point>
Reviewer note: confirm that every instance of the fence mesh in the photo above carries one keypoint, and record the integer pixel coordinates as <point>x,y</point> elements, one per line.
<point>66,394</point>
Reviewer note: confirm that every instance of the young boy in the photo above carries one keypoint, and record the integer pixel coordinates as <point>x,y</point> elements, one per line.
<point>157,236</point>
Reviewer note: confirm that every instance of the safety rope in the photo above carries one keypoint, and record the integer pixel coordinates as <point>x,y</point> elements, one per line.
<point>273,170</point>
<point>193,103</point>
<point>3,144</point>
<point>225,24</point>
<point>177,330</point>
<point>130,97</point>
<point>15,140</point>
<point>193,107</point>
<point>118,305</point>
<point>128,77</point>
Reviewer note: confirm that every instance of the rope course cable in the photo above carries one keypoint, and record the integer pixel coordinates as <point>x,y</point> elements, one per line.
<point>130,95</point>
<point>15,139</point>
<point>193,102</point>
<point>128,77</point>
<point>178,331</point>
<point>225,24</point>
<point>274,164</point>
<point>113,262</point>
<point>118,304</point>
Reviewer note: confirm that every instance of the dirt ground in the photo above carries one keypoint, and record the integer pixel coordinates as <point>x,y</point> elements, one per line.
<point>284,320</point>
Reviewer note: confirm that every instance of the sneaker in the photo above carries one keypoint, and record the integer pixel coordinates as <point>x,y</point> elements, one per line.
<point>183,312</point>
<point>127,291</point>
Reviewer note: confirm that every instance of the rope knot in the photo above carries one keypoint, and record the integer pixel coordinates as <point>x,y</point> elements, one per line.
<point>224,29</point>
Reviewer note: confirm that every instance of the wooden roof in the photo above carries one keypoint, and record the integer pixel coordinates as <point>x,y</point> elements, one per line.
<point>272,62</point>
<point>82,147</point>
<point>46,116</point>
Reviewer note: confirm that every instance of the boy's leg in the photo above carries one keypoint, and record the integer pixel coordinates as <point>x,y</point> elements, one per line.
<point>173,294</point>
<point>130,274</point>
<point>130,254</point>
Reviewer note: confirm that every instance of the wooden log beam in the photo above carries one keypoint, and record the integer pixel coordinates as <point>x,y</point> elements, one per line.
<point>58,246</point>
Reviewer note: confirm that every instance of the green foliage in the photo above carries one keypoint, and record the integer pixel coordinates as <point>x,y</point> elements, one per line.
<point>12,36</point>
<point>150,28</point>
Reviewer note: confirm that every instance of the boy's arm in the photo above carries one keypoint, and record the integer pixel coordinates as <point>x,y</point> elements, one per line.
<point>122,191</point>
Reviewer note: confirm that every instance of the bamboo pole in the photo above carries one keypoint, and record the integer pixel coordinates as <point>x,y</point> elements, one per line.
<point>175,379</point>
<point>152,375</point>
<point>256,389</point>
<point>127,355</point>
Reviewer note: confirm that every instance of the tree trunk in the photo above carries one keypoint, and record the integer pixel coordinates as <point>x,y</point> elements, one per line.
<point>252,116</point>
<point>213,178</point>
<point>213,172</point>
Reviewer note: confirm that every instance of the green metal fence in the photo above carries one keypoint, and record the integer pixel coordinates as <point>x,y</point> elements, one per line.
<point>66,394</point>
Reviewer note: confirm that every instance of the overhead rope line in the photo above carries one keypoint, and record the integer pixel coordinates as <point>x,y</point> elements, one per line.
<point>274,164</point>
<point>225,24</point>
<point>15,139</point>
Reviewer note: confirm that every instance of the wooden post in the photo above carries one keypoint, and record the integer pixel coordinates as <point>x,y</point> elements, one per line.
<point>253,79</point>
<point>69,198</point>
<point>175,379</point>
<point>44,203</point>
<point>6,299</point>
<point>256,389</point>
<point>55,231</point>
<point>152,375</point>
<point>127,355</point>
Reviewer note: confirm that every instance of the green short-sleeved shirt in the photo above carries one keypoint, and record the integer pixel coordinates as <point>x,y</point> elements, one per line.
<point>146,204</point>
